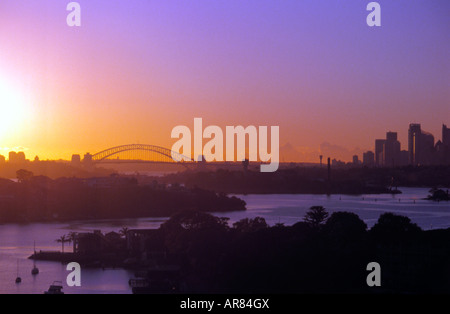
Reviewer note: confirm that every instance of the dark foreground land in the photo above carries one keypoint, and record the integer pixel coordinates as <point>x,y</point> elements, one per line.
<point>314,180</point>
<point>41,199</point>
<point>195,252</point>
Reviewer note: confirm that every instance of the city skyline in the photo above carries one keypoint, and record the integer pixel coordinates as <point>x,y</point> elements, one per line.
<point>131,73</point>
<point>387,152</point>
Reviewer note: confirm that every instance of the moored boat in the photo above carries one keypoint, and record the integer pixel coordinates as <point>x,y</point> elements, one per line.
<point>55,288</point>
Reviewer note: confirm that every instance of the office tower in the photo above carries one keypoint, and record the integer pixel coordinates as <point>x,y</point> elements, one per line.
<point>445,135</point>
<point>87,158</point>
<point>368,159</point>
<point>413,139</point>
<point>12,157</point>
<point>21,157</point>
<point>17,157</point>
<point>379,144</point>
<point>420,146</point>
<point>391,136</point>
<point>404,158</point>
<point>76,159</point>
<point>387,151</point>
<point>445,149</point>
<point>391,150</point>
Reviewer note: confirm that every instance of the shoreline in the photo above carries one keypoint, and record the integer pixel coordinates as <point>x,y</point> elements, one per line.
<point>161,218</point>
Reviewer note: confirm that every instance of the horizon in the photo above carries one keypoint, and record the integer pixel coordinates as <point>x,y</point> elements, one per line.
<point>285,150</point>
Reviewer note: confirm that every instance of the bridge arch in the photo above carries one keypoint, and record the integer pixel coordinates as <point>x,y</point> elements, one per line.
<point>142,152</point>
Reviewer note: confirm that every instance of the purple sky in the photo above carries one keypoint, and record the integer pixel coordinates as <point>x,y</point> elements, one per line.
<point>136,69</point>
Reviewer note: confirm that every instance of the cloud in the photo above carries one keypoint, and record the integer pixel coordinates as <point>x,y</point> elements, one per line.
<point>14,149</point>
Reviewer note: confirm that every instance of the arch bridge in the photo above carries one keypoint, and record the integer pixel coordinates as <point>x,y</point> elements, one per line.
<point>138,153</point>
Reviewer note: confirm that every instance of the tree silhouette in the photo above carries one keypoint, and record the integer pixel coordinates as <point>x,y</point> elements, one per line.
<point>123,232</point>
<point>316,216</point>
<point>250,225</point>
<point>345,227</point>
<point>391,227</point>
<point>194,220</point>
<point>24,175</point>
<point>72,236</point>
<point>63,239</point>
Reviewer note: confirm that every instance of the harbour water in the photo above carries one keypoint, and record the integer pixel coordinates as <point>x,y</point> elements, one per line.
<point>16,241</point>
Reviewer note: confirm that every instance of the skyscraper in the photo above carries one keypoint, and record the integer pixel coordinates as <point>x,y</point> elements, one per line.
<point>368,159</point>
<point>446,144</point>
<point>355,160</point>
<point>387,151</point>
<point>379,144</point>
<point>420,146</point>
<point>17,157</point>
<point>413,136</point>
<point>12,157</point>
<point>391,150</point>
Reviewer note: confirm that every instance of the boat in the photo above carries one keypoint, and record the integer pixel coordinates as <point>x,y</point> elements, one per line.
<point>18,279</point>
<point>55,288</point>
<point>157,280</point>
<point>35,270</point>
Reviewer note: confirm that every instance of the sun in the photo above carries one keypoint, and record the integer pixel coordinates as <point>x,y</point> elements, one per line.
<point>14,109</point>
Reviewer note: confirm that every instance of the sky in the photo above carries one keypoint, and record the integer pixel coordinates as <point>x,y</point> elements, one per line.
<point>136,69</point>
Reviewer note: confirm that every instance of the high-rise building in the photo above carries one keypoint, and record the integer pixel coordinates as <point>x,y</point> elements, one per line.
<point>420,146</point>
<point>444,149</point>
<point>21,157</point>
<point>379,144</point>
<point>17,157</point>
<point>76,159</point>
<point>391,150</point>
<point>87,158</point>
<point>12,157</point>
<point>387,151</point>
<point>391,136</point>
<point>445,135</point>
<point>404,158</point>
<point>368,159</point>
<point>414,133</point>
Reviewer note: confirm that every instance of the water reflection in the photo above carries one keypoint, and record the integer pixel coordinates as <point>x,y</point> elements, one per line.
<point>16,241</point>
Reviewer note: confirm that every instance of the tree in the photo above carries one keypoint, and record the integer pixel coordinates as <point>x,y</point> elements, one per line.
<point>316,216</point>
<point>63,239</point>
<point>195,220</point>
<point>250,225</point>
<point>24,175</point>
<point>345,227</point>
<point>391,227</point>
<point>194,233</point>
<point>72,236</point>
<point>123,232</point>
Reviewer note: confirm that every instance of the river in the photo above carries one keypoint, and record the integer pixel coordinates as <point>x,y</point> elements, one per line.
<point>16,241</point>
